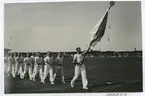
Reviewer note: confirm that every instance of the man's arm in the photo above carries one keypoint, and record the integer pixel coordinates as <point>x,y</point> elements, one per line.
<point>86,51</point>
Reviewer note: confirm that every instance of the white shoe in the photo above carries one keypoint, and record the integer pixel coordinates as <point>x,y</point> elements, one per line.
<point>85,88</point>
<point>72,85</point>
<point>14,76</point>
<point>43,81</point>
<point>33,78</point>
<point>52,83</point>
<point>30,78</point>
<point>63,82</point>
<point>22,77</point>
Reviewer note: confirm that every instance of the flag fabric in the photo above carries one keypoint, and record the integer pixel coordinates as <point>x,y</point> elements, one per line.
<point>98,32</point>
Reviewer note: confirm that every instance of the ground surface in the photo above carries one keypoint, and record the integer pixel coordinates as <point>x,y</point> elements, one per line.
<point>125,75</point>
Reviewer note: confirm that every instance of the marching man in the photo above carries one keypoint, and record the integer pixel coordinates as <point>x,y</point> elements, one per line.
<point>6,63</point>
<point>21,64</point>
<point>28,66</point>
<point>12,64</point>
<point>9,67</point>
<point>17,64</point>
<point>48,68</point>
<point>32,58</point>
<point>38,67</point>
<point>59,67</point>
<point>79,68</point>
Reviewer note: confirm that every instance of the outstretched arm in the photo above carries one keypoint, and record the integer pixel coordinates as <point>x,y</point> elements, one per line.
<point>85,52</point>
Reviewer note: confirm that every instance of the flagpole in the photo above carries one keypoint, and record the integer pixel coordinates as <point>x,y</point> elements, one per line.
<point>111,4</point>
<point>85,53</point>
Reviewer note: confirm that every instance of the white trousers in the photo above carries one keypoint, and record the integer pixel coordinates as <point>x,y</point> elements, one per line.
<point>12,69</point>
<point>48,69</point>
<point>28,69</point>
<point>17,69</point>
<point>6,67</point>
<point>38,68</point>
<point>9,69</point>
<point>60,69</point>
<point>80,69</point>
<point>21,70</point>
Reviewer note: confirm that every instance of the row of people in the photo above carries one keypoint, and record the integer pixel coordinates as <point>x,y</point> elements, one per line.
<point>20,65</point>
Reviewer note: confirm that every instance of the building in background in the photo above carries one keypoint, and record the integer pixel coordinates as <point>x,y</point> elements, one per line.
<point>6,51</point>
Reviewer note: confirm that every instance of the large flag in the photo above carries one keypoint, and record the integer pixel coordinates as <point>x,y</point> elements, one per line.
<point>99,30</point>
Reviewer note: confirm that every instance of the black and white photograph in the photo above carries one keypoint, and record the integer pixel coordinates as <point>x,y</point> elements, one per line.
<point>73,47</point>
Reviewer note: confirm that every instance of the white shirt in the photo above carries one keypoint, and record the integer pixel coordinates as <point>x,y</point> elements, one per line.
<point>59,60</point>
<point>12,60</point>
<point>48,60</point>
<point>38,60</point>
<point>32,59</point>
<point>9,60</point>
<point>16,60</point>
<point>78,58</point>
<point>35,59</point>
<point>5,60</point>
<point>27,60</point>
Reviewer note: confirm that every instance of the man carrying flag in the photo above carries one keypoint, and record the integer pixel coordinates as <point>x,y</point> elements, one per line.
<point>79,68</point>
<point>97,34</point>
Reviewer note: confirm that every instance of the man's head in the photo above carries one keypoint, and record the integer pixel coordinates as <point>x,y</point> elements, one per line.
<point>78,49</point>
<point>27,55</point>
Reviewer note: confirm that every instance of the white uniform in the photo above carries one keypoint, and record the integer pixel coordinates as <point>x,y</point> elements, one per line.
<point>48,68</point>
<point>12,66</point>
<point>21,65</point>
<point>17,66</point>
<point>28,67</point>
<point>59,67</point>
<point>32,58</point>
<point>38,67</point>
<point>9,67</point>
<point>80,69</point>
<point>6,64</point>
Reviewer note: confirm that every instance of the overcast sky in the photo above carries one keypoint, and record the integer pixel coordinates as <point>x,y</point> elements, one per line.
<point>64,26</point>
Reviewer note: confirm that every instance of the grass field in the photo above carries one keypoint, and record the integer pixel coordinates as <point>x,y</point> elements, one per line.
<point>125,74</point>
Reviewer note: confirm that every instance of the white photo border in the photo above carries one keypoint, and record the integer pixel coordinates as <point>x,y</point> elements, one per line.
<point>2,2</point>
